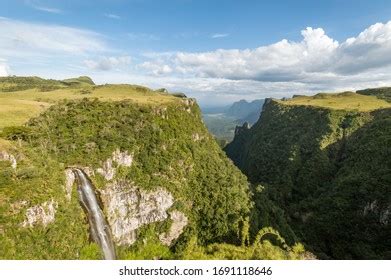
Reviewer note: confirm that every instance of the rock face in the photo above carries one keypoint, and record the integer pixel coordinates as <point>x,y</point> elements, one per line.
<point>69,181</point>
<point>8,157</point>
<point>179,221</point>
<point>383,213</point>
<point>128,208</point>
<point>121,158</point>
<point>43,214</point>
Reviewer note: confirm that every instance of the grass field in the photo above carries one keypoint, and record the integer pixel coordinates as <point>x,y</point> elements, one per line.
<point>341,101</point>
<point>18,107</point>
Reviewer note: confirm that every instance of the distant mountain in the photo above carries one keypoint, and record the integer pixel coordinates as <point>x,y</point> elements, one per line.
<point>242,109</point>
<point>221,121</point>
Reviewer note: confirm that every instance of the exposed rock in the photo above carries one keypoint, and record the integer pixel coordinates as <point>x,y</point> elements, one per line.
<point>129,207</point>
<point>161,112</point>
<point>121,158</point>
<point>8,157</point>
<point>107,170</point>
<point>385,216</point>
<point>179,221</point>
<point>196,137</point>
<point>18,205</point>
<point>370,207</point>
<point>88,170</point>
<point>308,256</point>
<point>239,129</point>
<point>69,181</point>
<point>189,102</point>
<point>373,207</point>
<point>40,214</point>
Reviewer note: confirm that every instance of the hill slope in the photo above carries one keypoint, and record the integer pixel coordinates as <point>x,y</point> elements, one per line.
<point>165,187</point>
<point>326,161</point>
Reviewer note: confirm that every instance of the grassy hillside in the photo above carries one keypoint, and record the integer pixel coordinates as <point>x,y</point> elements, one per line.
<point>349,101</point>
<point>325,160</point>
<point>382,93</point>
<point>17,107</point>
<point>170,148</point>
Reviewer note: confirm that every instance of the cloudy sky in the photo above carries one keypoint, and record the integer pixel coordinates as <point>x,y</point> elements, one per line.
<point>216,51</point>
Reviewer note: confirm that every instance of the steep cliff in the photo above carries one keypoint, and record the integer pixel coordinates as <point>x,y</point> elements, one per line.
<point>326,161</point>
<point>135,164</point>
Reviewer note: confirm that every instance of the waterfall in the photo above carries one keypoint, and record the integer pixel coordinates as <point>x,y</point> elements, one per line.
<point>100,230</point>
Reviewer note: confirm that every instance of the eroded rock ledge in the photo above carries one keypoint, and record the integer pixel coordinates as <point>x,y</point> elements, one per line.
<point>43,214</point>
<point>129,207</point>
<point>4,156</point>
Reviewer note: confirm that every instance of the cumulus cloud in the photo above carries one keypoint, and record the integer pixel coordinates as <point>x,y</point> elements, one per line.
<point>19,38</point>
<point>156,68</point>
<point>108,63</point>
<point>315,58</point>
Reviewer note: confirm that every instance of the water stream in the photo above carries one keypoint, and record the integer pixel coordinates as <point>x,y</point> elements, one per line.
<point>99,229</point>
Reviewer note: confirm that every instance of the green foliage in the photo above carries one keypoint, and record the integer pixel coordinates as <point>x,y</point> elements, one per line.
<point>15,133</point>
<point>8,84</point>
<point>38,179</point>
<point>91,252</point>
<point>171,148</point>
<point>382,93</point>
<point>268,245</point>
<point>13,83</point>
<point>322,168</point>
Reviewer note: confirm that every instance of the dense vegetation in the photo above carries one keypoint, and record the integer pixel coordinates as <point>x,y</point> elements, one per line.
<point>328,169</point>
<point>13,83</point>
<point>383,93</point>
<point>171,148</point>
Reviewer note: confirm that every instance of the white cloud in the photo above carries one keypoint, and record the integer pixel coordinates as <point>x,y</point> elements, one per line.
<point>219,35</point>
<point>48,10</point>
<point>156,68</point>
<point>4,69</point>
<point>315,58</point>
<point>22,39</point>
<point>36,5</point>
<point>108,63</point>
<point>112,16</point>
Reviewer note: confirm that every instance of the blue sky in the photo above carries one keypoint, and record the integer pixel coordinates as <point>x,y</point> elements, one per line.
<point>216,51</point>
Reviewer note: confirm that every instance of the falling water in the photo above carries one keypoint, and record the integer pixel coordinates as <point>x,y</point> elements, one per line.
<point>99,228</point>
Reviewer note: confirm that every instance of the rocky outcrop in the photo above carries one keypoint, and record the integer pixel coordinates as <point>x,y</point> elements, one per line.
<point>4,156</point>
<point>69,181</point>
<point>128,208</point>
<point>239,129</point>
<point>189,103</point>
<point>384,214</point>
<point>179,221</point>
<point>107,170</point>
<point>121,158</point>
<point>196,137</point>
<point>43,214</point>
<point>17,206</point>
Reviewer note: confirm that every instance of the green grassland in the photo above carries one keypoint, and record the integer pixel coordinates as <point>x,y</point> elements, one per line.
<point>349,101</point>
<point>17,107</point>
